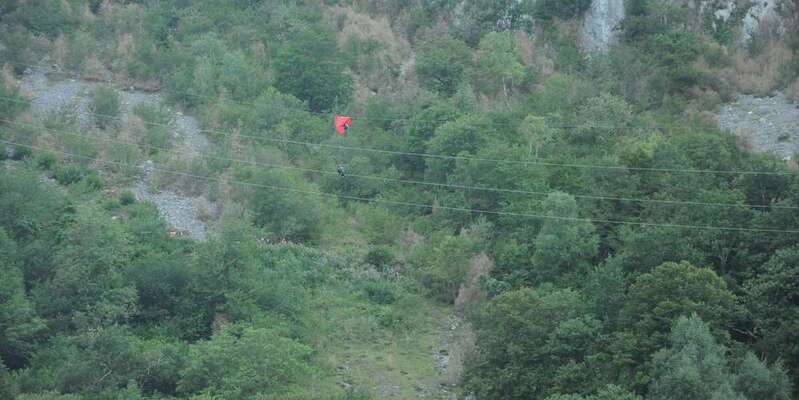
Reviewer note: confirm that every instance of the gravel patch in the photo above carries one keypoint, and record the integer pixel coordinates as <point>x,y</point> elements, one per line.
<point>768,124</point>
<point>73,95</point>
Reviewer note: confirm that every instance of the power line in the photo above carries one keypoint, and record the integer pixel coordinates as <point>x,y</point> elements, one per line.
<point>76,74</point>
<point>470,158</point>
<point>422,183</point>
<point>420,205</point>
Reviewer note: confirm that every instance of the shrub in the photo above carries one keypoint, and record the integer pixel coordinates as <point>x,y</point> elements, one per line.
<point>46,161</point>
<point>156,134</point>
<point>390,318</point>
<point>441,63</point>
<point>126,198</point>
<point>21,152</point>
<point>380,256</point>
<point>11,102</point>
<point>793,92</point>
<point>106,105</point>
<point>92,181</point>
<point>3,151</point>
<point>563,9</point>
<point>380,292</point>
<point>68,174</point>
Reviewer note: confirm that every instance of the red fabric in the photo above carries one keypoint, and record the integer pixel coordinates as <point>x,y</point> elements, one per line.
<point>342,123</point>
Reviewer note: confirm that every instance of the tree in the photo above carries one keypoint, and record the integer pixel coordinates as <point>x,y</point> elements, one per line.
<point>756,380</point>
<point>773,304</point>
<point>532,344</point>
<point>487,15</point>
<point>93,363</point>
<point>445,264</point>
<point>222,264</point>
<point>602,120</point>
<point>670,291</point>
<point>563,9</point>
<point>281,204</point>
<point>498,63</point>
<point>11,102</point>
<point>87,288</point>
<point>537,133</point>
<point>106,105</point>
<point>463,136</point>
<point>244,363</point>
<point>441,63</point>
<point>563,248</point>
<point>19,324</point>
<point>609,392</point>
<point>694,366</point>
<point>308,66</point>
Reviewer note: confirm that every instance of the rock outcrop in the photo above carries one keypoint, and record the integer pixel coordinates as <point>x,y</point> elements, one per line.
<point>747,19</point>
<point>598,32</point>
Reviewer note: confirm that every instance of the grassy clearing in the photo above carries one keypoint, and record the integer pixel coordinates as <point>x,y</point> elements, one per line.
<point>394,362</point>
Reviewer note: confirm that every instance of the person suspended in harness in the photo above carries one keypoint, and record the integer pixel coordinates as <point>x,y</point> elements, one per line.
<point>341,124</point>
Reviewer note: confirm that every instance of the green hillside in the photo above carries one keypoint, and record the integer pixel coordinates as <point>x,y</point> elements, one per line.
<point>535,200</point>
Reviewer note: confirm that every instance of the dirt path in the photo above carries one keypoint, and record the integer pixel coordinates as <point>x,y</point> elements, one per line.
<point>72,96</point>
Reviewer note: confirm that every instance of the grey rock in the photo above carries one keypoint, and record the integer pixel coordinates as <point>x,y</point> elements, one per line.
<point>768,125</point>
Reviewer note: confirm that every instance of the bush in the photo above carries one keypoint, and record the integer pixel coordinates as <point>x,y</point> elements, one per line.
<point>21,152</point>
<point>156,133</point>
<point>126,198</point>
<point>106,105</point>
<point>3,152</point>
<point>46,161</point>
<point>92,181</point>
<point>68,174</point>
<point>11,102</point>
<point>441,63</point>
<point>380,292</point>
<point>563,9</point>
<point>380,256</point>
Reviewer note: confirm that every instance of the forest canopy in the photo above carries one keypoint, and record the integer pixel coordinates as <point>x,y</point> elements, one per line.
<point>507,217</point>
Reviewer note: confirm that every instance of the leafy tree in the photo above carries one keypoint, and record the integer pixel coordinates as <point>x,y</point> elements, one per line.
<point>563,9</point>
<point>500,15</point>
<point>222,263</point>
<point>670,291</point>
<point>441,63</point>
<point>602,120</point>
<point>537,133</point>
<point>461,137</point>
<point>87,288</point>
<point>498,63</point>
<point>47,17</point>
<point>308,66</point>
<point>563,248</point>
<point>694,366</point>
<point>19,324</point>
<point>94,363</point>
<point>609,392</point>
<point>755,380</point>
<point>106,106</point>
<point>33,215</point>
<point>11,102</point>
<point>445,265</point>
<point>533,344</point>
<point>282,205</point>
<point>772,302</point>
<point>245,362</point>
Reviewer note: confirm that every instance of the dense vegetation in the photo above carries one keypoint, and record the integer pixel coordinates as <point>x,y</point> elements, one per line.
<point>693,296</point>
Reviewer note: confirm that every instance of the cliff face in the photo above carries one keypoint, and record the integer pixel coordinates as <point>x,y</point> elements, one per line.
<point>744,19</point>
<point>598,29</point>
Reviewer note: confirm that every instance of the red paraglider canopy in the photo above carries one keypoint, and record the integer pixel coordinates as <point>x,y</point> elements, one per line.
<point>342,123</point>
